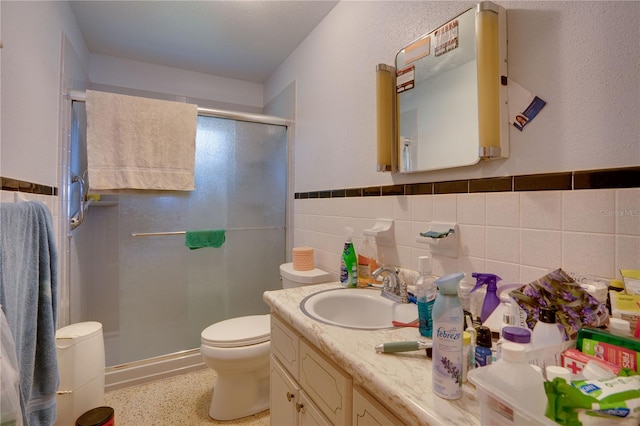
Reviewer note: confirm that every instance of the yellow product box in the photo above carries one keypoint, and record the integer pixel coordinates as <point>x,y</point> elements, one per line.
<point>626,306</point>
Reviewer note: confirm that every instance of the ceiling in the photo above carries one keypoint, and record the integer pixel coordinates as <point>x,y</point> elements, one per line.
<point>240,39</point>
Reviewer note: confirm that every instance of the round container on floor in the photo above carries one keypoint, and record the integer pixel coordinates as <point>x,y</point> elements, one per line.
<point>101,416</point>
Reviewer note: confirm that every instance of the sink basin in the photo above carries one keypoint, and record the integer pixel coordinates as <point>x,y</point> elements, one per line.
<point>360,309</point>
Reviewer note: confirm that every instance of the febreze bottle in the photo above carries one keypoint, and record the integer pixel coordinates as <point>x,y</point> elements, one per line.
<point>448,325</point>
<point>491,300</point>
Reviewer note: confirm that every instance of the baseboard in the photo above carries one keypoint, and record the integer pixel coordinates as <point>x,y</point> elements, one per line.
<point>149,370</point>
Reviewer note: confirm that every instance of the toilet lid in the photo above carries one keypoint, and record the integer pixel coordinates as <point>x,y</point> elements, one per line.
<point>235,332</point>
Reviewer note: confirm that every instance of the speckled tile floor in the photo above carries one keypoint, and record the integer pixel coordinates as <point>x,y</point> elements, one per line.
<point>180,400</point>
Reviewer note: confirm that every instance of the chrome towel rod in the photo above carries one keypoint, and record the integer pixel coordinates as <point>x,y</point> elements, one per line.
<point>155,234</point>
<point>81,96</point>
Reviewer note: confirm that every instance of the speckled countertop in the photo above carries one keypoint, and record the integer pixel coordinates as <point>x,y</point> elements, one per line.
<point>401,381</point>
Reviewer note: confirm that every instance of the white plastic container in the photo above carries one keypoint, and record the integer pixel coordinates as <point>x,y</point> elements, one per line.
<point>81,363</point>
<point>510,386</point>
<point>546,331</point>
<point>495,400</point>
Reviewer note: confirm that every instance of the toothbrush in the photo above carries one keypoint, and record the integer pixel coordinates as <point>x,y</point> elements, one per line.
<point>411,345</point>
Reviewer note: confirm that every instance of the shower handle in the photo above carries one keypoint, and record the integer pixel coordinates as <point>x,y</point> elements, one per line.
<point>77,220</point>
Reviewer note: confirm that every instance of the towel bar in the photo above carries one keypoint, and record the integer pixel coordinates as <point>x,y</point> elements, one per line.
<point>154,234</point>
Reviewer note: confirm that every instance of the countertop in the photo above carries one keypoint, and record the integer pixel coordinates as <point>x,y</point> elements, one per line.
<point>401,381</point>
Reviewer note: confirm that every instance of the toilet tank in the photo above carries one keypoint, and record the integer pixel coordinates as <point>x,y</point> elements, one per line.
<point>292,278</point>
<point>81,364</point>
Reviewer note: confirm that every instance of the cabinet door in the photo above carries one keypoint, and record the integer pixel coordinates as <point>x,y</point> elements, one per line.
<point>284,345</point>
<point>310,414</point>
<point>326,384</point>
<point>369,412</point>
<point>284,395</point>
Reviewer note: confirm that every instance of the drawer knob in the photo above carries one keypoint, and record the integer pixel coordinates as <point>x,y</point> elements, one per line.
<point>289,396</point>
<point>300,408</point>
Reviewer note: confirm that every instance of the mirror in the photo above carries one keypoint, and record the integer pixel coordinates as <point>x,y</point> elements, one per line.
<point>451,93</point>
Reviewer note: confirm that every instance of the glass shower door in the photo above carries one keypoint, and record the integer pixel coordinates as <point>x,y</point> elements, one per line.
<point>165,294</point>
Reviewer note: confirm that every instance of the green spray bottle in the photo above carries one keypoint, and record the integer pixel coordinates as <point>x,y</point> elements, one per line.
<point>349,262</point>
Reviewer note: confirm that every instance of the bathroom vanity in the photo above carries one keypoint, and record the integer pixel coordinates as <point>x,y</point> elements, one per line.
<point>324,374</point>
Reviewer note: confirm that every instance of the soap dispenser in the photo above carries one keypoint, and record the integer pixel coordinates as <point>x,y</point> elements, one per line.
<point>491,300</point>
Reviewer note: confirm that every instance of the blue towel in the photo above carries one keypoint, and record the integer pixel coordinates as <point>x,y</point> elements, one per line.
<point>28,287</point>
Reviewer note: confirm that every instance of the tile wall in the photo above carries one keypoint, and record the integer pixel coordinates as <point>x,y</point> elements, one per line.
<point>517,227</point>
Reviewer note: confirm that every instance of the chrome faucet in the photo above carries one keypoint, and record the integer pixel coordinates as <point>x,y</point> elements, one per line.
<point>393,287</point>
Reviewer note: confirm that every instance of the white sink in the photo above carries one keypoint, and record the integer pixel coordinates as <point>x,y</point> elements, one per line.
<point>362,309</point>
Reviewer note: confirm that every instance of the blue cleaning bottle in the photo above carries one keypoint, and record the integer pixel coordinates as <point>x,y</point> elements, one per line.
<point>491,300</point>
<point>426,294</point>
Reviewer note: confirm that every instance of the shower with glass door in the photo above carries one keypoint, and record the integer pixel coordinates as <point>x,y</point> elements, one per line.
<point>129,267</point>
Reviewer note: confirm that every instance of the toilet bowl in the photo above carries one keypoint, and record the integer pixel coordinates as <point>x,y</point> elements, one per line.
<point>237,349</point>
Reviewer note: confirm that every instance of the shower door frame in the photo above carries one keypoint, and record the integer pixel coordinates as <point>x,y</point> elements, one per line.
<point>146,370</point>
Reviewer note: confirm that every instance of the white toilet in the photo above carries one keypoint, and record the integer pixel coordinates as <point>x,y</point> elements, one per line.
<point>238,350</point>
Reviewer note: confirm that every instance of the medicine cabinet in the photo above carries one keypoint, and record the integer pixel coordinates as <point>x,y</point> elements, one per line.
<point>450,95</point>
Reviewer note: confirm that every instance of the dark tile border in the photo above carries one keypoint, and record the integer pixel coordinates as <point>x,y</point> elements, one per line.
<point>9,184</point>
<point>627,177</point>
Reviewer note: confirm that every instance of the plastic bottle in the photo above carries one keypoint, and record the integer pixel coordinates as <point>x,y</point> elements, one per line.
<point>467,355</point>
<point>483,355</point>
<point>491,300</point>
<point>447,339</point>
<point>518,335</point>
<point>349,262</point>
<point>367,263</point>
<point>513,376</point>
<point>546,332</point>
<point>426,294</point>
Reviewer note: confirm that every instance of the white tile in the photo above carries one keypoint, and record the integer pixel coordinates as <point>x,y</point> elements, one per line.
<point>529,273</point>
<point>588,253</point>
<point>503,209</point>
<point>444,208</point>
<point>503,244</point>
<point>541,210</point>
<point>471,240</point>
<point>587,211</point>
<point>627,211</point>
<point>509,272</point>
<point>541,248</point>
<point>403,231</point>
<point>422,208</point>
<point>402,207</point>
<point>627,253</point>
<point>471,209</point>
<point>443,265</point>
<point>468,264</point>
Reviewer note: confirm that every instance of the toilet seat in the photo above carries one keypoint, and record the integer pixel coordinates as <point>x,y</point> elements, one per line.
<point>238,332</point>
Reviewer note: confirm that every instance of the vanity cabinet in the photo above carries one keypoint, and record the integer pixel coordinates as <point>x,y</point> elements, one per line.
<point>309,389</point>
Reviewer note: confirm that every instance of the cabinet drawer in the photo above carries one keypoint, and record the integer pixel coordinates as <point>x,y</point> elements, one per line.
<point>327,385</point>
<point>367,411</point>
<point>284,345</point>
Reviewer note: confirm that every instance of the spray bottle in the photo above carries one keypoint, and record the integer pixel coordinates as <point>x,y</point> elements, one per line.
<point>349,262</point>
<point>491,300</point>
<point>447,339</point>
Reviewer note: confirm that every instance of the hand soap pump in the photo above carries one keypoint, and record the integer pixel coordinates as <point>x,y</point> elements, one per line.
<point>491,300</point>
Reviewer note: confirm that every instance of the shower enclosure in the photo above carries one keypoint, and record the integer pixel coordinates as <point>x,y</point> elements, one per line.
<point>151,293</point>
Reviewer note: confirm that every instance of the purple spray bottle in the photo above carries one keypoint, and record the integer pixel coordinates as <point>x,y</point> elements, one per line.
<point>491,299</point>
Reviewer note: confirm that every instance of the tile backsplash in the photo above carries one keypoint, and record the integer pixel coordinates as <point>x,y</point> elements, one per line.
<point>519,235</point>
